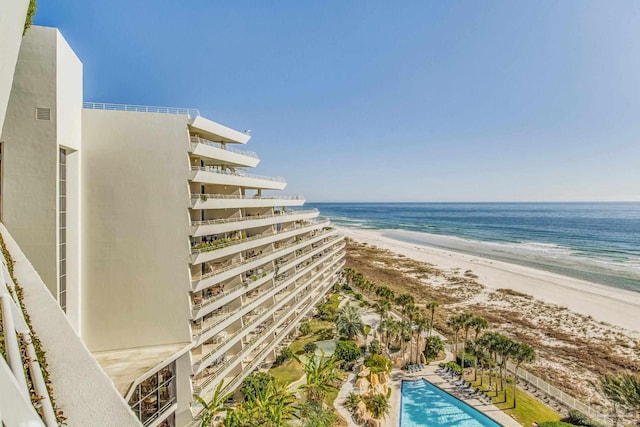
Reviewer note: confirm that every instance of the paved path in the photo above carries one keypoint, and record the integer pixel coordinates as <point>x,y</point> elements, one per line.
<point>347,388</point>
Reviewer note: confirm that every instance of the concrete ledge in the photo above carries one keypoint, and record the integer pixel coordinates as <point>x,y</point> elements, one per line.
<point>81,388</point>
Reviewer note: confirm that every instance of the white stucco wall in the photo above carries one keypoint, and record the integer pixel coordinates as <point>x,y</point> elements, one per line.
<point>135,229</point>
<point>82,390</point>
<point>48,75</point>
<point>29,182</point>
<point>12,17</point>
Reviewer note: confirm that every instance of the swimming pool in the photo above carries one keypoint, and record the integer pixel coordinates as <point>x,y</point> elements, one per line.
<point>423,404</point>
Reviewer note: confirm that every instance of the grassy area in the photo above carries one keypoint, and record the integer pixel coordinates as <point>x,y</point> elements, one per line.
<point>290,371</point>
<point>528,409</point>
<point>334,301</point>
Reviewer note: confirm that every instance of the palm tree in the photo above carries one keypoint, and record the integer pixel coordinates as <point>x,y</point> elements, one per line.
<point>382,308</point>
<point>465,320</point>
<point>521,353</point>
<point>611,387</point>
<point>214,407</point>
<point>478,324</point>
<point>432,308</point>
<point>385,292</point>
<point>349,323</point>
<point>490,342</point>
<point>505,348</point>
<point>631,392</point>
<point>404,301</point>
<point>421,325</point>
<point>322,376</point>
<point>378,405</point>
<point>455,324</point>
<point>433,346</point>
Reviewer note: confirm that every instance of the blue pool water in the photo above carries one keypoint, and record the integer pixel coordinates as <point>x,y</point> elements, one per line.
<point>423,404</point>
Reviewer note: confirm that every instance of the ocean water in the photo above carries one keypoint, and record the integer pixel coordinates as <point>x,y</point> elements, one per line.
<point>598,242</point>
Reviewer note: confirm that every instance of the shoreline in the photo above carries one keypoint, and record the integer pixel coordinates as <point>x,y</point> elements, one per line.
<point>603,303</point>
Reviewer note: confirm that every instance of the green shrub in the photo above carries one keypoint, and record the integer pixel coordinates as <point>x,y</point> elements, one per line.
<point>255,383</point>
<point>284,355</point>
<point>310,347</point>
<point>347,351</point>
<point>375,347</point>
<point>456,368</point>
<point>378,363</point>
<point>555,424</point>
<point>468,360</point>
<point>578,418</point>
<point>305,328</point>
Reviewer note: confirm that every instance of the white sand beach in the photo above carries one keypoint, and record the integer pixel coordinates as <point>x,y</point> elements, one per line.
<point>605,304</point>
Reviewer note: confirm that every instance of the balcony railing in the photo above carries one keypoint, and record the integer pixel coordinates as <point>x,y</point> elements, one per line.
<point>249,218</point>
<point>225,313</point>
<point>212,246</point>
<point>256,258</point>
<point>205,197</point>
<point>241,173</point>
<point>258,357</point>
<point>198,140</point>
<point>193,112</point>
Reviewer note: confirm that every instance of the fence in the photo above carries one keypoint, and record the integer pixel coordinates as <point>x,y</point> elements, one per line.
<point>551,391</point>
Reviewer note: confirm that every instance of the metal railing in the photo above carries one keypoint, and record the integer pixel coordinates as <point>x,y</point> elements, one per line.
<point>192,112</point>
<point>250,218</point>
<point>280,235</point>
<point>240,173</point>
<point>252,303</point>
<point>220,146</point>
<point>258,257</point>
<point>205,197</point>
<point>550,390</point>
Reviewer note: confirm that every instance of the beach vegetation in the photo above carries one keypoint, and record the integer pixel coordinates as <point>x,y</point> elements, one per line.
<point>577,418</point>
<point>305,328</point>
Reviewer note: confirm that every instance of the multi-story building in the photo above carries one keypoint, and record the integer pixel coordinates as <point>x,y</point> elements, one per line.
<point>177,267</point>
<point>204,268</point>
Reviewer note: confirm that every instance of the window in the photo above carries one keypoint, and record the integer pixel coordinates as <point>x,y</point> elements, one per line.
<point>155,395</point>
<point>62,242</point>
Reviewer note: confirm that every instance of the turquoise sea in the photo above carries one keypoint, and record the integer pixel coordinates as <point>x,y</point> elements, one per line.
<point>598,242</point>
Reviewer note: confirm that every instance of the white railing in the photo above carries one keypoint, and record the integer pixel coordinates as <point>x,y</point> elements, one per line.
<point>550,391</point>
<point>259,257</point>
<point>192,112</point>
<point>280,235</point>
<point>205,197</point>
<point>240,173</point>
<point>249,218</point>
<point>220,146</point>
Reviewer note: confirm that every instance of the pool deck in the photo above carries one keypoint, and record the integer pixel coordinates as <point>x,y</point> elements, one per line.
<point>429,373</point>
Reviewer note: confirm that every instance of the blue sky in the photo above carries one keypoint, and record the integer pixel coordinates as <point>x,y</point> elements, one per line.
<point>389,101</point>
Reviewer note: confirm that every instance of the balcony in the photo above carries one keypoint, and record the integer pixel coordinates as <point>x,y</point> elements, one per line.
<point>216,226</point>
<point>226,317</point>
<point>239,178</point>
<point>227,201</point>
<point>310,300</point>
<point>204,253</point>
<point>227,155</point>
<point>204,281</point>
<point>203,384</point>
